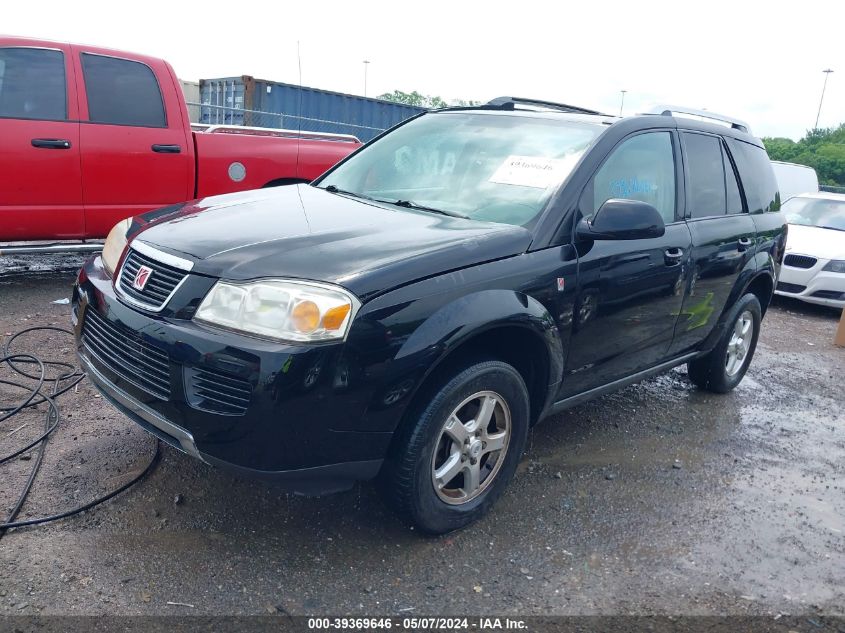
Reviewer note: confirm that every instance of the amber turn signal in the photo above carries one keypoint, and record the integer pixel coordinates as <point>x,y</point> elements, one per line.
<point>334,317</point>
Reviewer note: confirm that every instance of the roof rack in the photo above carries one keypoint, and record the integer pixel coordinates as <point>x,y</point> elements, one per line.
<point>509,103</point>
<point>668,110</point>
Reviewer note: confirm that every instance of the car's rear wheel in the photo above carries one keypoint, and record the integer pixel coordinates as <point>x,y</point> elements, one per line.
<point>460,448</point>
<point>724,367</point>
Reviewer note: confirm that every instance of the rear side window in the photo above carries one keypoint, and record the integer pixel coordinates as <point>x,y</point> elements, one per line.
<point>641,168</point>
<point>757,175</point>
<point>705,174</point>
<point>122,92</point>
<point>32,84</point>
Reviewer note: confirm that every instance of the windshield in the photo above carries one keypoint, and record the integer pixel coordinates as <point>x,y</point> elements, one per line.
<point>480,166</point>
<point>826,213</point>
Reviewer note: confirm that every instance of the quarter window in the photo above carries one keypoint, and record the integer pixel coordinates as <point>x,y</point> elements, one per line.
<point>758,178</point>
<point>32,84</point>
<point>706,175</point>
<point>122,92</point>
<point>641,168</point>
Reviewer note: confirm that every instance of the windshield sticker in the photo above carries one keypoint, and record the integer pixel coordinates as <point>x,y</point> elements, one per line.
<point>533,171</point>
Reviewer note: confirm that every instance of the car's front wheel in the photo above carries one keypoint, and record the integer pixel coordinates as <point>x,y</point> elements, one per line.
<point>723,368</point>
<point>460,448</point>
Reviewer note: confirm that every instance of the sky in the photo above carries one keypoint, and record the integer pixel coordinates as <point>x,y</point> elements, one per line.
<point>759,62</point>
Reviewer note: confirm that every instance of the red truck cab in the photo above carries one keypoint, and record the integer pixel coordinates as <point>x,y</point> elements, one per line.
<point>89,136</point>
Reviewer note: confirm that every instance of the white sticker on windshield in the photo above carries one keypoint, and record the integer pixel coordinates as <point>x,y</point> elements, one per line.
<point>533,171</point>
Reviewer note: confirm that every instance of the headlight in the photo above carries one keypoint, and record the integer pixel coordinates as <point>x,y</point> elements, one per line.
<point>835,266</point>
<point>283,310</point>
<point>115,243</point>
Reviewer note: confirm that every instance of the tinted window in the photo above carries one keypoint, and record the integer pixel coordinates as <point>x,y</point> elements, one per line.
<point>705,175</point>
<point>641,168</point>
<point>757,176</point>
<point>734,197</point>
<point>122,92</point>
<point>32,84</point>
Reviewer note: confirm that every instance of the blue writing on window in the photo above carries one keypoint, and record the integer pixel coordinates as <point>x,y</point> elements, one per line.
<point>630,187</point>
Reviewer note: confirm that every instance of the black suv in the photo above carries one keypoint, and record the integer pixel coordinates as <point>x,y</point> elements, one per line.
<point>410,314</point>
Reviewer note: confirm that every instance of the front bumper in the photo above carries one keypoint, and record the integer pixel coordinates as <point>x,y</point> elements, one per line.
<point>812,285</point>
<point>299,418</point>
<point>152,421</point>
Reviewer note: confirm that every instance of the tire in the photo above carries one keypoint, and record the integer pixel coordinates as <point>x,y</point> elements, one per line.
<point>473,475</point>
<point>718,371</point>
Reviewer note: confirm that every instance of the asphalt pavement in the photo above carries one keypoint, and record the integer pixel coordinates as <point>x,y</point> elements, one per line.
<point>659,499</point>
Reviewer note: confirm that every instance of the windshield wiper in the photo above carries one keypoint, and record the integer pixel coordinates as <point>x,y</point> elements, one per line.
<point>407,204</point>
<point>410,204</point>
<point>833,228</point>
<point>334,189</point>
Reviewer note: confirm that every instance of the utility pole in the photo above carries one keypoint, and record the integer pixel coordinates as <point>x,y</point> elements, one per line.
<point>366,63</point>
<point>622,103</point>
<point>826,75</point>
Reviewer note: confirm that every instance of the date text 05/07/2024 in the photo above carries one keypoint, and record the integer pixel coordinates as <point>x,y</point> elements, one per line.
<point>418,624</point>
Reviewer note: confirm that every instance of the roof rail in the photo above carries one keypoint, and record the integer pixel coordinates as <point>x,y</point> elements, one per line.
<point>669,110</point>
<point>509,103</point>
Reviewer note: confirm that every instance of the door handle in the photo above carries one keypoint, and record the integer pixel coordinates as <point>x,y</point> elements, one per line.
<point>673,256</point>
<point>166,149</point>
<point>744,243</point>
<point>51,143</point>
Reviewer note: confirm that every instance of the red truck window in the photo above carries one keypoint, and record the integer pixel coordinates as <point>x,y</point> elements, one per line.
<point>32,84</point>
<point>122,92</point>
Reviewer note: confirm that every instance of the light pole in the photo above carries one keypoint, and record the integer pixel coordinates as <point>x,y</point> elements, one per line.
<point>826,75</point>
<point>366,63</point>
<point>622,103</point>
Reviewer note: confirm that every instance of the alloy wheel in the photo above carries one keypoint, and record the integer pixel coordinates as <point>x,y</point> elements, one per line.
<point>471,448</point>
<point>739,343</point>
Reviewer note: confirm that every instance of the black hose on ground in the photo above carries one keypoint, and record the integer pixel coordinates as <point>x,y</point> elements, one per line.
<point>61,383</point>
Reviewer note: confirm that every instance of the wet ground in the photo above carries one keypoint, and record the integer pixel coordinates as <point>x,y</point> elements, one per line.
<point>38,264</point>
<point>657,499</point>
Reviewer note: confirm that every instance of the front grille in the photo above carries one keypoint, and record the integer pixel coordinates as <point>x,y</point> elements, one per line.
<point>799,261</point>
<point>161,283</point>
<point>126,354</point>
<point>793,288</point>
<point>216,391</point>
<point>828,294</point>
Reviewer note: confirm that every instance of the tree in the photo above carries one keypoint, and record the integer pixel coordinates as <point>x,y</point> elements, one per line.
<point>422,101</point>
<point>823,150</point>
<point>464,102</point>
<point>784,148</point>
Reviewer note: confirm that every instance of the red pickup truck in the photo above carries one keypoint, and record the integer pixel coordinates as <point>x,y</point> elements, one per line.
<point>89,136</point>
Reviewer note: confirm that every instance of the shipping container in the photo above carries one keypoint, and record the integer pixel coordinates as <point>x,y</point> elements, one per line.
<point>191,90</point>
<point>248,101</point>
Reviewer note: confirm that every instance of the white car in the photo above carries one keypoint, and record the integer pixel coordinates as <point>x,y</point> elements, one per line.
<point>814,265</point>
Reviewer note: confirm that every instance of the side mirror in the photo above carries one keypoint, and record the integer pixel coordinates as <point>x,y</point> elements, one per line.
<point>619,219</point>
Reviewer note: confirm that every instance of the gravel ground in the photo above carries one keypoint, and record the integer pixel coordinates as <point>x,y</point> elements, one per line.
<point>659,499</point>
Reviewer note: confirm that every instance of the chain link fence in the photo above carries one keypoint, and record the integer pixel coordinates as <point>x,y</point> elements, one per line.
<point>208,114</point>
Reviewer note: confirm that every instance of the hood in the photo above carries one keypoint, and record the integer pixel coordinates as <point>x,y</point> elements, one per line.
<point>815,241</point>
<point>303,232</point>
